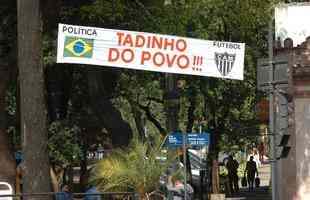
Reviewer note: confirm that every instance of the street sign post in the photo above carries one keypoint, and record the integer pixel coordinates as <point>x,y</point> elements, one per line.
<point>177,140</point>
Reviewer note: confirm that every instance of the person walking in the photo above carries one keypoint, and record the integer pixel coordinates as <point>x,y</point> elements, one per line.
<point>261,151</point>
<point>232,168</point>
<point>251,170</point>
<point>256,158</point>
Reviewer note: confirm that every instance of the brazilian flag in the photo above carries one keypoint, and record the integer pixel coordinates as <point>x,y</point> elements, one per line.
<point>78,47</point>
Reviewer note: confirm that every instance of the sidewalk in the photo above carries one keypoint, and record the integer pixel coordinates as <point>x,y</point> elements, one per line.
<point>261,193</point>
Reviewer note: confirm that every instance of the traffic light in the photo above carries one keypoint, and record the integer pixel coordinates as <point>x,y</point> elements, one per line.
<point>282,124</point>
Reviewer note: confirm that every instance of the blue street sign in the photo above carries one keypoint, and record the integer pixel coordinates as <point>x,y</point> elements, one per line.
<point>192,139</point>
<point>198,139</point>
<point>174,140</point>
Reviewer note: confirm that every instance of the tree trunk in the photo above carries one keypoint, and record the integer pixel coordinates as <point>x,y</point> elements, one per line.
<point>36,177</point>
<point>172,103</point>
<point>138,117</point>
<point>191,113</point>
<point>215,177</point>
<point>57,174</point>
<point>8,168</point>
<point>151,118</point>
<point>84,175</point>
<point>54,180</point>
<point>214,150</point>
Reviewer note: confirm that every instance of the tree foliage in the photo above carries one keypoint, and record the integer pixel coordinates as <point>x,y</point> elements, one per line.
<point>137,169</point>
<point>64,148</point>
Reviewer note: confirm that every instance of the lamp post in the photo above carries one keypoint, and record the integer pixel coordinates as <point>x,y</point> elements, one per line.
<point>271,113</point>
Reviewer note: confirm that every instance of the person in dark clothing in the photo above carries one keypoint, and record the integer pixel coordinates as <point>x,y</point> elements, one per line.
<point>251,170</point>
<point>232,168</point>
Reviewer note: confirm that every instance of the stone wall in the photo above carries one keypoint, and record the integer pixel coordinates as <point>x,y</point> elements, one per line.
<point>294,176</point>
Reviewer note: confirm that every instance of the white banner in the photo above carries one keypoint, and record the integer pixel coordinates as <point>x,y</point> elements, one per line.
<point>147,51</point>
<point>292,21</point>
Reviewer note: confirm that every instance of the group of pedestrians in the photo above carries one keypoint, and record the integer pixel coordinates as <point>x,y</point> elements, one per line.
<point>250,171</point>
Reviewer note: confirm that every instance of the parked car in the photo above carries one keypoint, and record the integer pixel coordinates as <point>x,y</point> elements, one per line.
<point>6,189</point>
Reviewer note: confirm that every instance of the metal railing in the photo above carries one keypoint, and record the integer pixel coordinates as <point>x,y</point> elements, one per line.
<point>75,196</point>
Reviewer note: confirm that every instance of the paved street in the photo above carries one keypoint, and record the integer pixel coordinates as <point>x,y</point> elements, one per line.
<point>261,193</point>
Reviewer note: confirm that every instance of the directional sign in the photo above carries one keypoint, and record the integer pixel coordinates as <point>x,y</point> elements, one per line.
<point>174,140</point>
<point>192,139</point>
<point>198,139</point>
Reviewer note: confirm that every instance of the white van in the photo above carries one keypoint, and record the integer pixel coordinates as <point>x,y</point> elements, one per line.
<point>6,189</point>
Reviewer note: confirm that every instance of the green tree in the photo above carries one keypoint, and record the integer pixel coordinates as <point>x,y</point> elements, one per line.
<point>137,169</point>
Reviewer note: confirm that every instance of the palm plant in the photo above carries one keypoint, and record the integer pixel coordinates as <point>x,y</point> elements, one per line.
<point>137,169</point>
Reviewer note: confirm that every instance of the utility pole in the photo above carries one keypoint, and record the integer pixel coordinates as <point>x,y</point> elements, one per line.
<point>271,113</point>
<point>36,174</point>
<point>184,163</point>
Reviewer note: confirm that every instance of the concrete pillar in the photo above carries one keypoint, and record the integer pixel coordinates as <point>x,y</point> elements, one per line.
<point>296,168</point>
<point>286,167</point>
